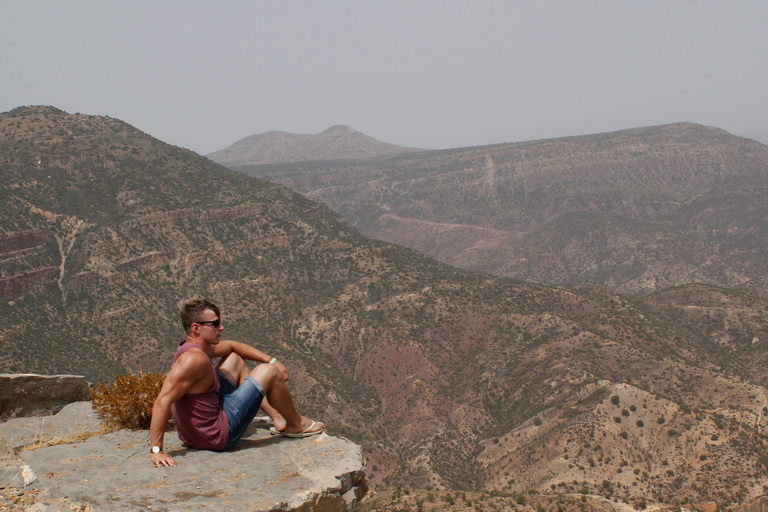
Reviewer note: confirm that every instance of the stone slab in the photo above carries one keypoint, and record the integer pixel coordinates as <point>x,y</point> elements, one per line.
<point>263,473</point>
<point>30,394</point>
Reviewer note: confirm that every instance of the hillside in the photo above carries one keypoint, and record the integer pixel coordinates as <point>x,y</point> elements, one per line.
<point>447,378</point>
<point>640,210</point>
<point>336,143</point>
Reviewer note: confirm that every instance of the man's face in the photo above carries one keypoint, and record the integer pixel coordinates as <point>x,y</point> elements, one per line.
<point>209,331</point>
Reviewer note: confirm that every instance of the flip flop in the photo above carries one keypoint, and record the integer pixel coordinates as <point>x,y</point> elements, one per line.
<point>307,432</point>
<point>274,432</point>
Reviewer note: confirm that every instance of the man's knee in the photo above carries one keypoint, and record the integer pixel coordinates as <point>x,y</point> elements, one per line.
<point>267,375</point>
<point>234,368</point>
<point>231,362</point>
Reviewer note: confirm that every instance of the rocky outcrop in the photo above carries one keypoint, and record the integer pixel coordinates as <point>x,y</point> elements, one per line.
<point>113,471</point>
<point>34,395</point>
<point>12,288</point>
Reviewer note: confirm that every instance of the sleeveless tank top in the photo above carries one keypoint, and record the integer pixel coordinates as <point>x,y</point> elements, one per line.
<point>200,420</point>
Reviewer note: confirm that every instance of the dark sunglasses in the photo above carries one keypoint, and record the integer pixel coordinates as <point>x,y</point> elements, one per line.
<point>214,323</point>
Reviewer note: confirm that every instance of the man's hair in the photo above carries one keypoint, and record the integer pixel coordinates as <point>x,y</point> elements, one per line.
<point>193,310</point>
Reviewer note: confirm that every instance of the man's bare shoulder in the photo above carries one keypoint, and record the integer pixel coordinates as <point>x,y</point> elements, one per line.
<point>193,361</point>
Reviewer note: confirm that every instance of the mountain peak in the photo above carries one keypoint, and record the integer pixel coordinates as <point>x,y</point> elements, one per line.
<point>339,129</point>
<point>339,142</point>
<point>35,109</point>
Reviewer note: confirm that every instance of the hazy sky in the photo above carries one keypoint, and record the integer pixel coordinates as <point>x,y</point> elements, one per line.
<point>431,74</point>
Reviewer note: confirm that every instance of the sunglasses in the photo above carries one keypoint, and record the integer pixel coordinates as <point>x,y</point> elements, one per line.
<point>214,323</point>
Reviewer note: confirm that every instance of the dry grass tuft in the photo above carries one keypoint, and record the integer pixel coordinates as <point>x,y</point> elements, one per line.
<point>126,402</point>
<point>75,438</point>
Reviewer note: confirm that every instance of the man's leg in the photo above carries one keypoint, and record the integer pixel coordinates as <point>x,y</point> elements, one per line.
<point>272,381</point>
<point>277,419</point>
<point>234,368</point>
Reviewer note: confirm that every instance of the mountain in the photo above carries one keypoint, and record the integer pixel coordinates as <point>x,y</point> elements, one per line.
<point>336,143</point>
<point>448,378</point>
<point>640,210</point>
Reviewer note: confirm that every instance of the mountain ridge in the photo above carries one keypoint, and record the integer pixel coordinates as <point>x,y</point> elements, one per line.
<point>640,209</point>
<point>334,143</point>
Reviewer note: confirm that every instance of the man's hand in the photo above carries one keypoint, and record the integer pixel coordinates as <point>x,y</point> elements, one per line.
<point>161,459</point>
<point>282,369</point>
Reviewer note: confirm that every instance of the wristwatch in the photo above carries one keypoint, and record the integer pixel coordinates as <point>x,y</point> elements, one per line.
<point>156,449</point>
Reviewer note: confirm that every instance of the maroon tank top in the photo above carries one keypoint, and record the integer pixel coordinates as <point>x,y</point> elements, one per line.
<point>200,420</point>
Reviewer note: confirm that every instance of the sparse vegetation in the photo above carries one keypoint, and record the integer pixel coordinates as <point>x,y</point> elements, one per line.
<point>126,402</point>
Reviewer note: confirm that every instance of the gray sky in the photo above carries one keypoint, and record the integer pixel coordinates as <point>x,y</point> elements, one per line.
<point>430,74</point>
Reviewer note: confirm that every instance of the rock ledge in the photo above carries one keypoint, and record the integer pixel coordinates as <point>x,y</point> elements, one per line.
<point>263,473</point>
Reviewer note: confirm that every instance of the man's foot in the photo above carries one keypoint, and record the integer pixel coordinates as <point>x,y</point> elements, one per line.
<point>312,429</point>
<point>278,423</point>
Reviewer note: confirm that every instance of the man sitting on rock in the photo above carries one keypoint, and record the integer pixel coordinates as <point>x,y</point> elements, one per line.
<point>213,406</point>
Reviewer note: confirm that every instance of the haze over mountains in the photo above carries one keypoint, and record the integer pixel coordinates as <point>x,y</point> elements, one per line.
<point>640,210</point>
<point>448,378</point>
<point>336,143</point>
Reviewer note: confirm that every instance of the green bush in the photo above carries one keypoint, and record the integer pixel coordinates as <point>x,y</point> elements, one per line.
<point>126,402</point>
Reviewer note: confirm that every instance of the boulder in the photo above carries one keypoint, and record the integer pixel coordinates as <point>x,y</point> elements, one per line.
<point>34,395</point>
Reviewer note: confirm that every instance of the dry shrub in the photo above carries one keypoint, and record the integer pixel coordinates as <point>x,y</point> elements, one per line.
<point>126,402</point>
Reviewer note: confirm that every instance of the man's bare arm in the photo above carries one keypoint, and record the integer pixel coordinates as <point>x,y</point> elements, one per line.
<point>247,352</point>
<point>190,367</point>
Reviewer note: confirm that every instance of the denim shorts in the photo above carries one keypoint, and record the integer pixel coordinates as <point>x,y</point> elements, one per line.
<point>240,404</point>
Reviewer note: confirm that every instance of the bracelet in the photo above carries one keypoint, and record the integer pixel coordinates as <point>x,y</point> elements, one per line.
<point>273,360</point>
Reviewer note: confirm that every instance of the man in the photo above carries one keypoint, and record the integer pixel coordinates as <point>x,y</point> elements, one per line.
<point>212,406</point>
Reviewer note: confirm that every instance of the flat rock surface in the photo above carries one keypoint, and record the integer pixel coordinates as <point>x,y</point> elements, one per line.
<point>114,472</point>
<point>74,419</point>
